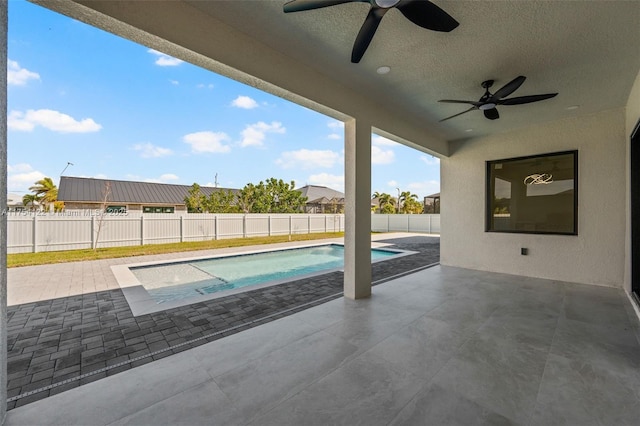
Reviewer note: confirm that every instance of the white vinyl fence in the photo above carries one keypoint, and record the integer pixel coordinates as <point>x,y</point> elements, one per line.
<point>37,231</point>
<point>429,223</point>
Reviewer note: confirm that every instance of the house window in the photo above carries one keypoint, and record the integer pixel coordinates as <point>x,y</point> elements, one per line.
<point>116,209</point>
<point>535,194</point>
<point>158,209</point>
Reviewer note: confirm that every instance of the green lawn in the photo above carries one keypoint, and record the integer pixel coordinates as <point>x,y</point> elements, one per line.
<point>43,258</point>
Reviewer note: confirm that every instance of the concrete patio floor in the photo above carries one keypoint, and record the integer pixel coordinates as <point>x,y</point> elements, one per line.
<point>438,347</point>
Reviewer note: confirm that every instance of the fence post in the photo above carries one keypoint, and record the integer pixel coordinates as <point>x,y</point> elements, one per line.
<point>269,225</point>
<point>244,226</point>
<point>290,225</point>
<point>388,223</point>
<point>325,223</point>
<point>181,228</point>
<point>215,227</point>
<point>142,229</point>
<point>429,223</point>
<point>93,232</point>
<point>34,231</point>
<point>309,224</point>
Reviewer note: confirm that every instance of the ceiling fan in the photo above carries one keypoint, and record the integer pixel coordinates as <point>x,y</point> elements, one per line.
<point>421,12</point>
<point>488,101</point>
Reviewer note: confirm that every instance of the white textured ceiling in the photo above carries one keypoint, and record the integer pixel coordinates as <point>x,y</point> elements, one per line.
<point>588,51</point>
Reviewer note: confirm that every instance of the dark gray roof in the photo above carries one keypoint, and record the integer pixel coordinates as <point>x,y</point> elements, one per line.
<point>315,193</point>
<point>91,190</point>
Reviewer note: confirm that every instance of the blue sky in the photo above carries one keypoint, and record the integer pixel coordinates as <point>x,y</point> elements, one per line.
<point>119,110</point>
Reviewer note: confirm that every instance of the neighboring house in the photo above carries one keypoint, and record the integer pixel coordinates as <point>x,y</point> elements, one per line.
<point>432,203</point>
<point>14,201</point>
<point>321,199</point>
<point>125,196</point>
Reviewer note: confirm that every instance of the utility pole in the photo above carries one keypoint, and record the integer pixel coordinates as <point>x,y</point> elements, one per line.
<point>65,167</point>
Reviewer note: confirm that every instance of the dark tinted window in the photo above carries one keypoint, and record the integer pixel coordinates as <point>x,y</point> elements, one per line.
<point>536,194</point>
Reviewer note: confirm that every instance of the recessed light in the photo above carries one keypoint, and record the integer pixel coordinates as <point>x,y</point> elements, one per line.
<point>383,70</point>
<point>469,130</point>
<point>572,107</point>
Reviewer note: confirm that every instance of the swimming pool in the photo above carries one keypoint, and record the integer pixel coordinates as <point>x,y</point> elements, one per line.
<point>155,286</point>
<point>182,280</point>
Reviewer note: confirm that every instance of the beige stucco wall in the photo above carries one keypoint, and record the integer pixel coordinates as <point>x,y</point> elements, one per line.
<point>632,117</point>
<point>595,256</point>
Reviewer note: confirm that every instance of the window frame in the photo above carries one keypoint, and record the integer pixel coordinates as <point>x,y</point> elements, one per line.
<point>490,190</point>
<point>115,209</point>
<point>172,209</point>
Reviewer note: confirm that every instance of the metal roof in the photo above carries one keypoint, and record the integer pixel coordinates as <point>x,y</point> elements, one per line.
<point>90,190</point>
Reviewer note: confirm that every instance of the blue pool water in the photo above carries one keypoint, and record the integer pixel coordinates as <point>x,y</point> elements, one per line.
<point>176,281</point>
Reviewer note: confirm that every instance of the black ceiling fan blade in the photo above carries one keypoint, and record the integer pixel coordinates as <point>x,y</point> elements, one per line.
<point>508,88</point>
<point>463,112</point>
<point>427,15</point>
<point>526,99</point>
<point>491,114</point>
<point>455,101</point>
<point>300,5</point>
<point>366,33</point>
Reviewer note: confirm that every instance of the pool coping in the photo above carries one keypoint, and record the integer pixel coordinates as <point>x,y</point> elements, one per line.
<point>142,303</point>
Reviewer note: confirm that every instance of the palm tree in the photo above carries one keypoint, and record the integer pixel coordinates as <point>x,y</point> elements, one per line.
<point>30,200</point>
<point>383,199</point>
<point>46,191</point>
<point>404,196</point>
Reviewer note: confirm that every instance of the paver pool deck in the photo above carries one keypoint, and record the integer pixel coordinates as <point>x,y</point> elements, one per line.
<point>69,324</point>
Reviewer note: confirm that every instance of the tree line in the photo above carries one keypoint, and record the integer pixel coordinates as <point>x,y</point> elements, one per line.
<point>270,196</point>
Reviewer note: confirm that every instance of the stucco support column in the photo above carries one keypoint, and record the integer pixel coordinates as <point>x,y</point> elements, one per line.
<point>3,209</point>
<point>357,235</point>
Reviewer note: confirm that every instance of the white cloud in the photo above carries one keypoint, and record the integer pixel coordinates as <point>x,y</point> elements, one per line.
<point>168,177</point>
<point>205,86</point>
<point>21,176</point>
<point>17,76</point>
<point>308,159</point>
<point>102,176</point>
<point>244,102</point>
<point>393,183</point>
<point>165,60</point>
<point>19,168</point>
<point>325,179</point>
<point>382,141</point>
<point>174,82</point>
<point>254,134</point>
<point>207,142</point>
<point>422,189</point>
<point>429,160</point>
<point>335,124</point>
<point>50,119</point>
<point>164,178</point>
<point>149,150</point>
<point>335,136</point>
<point>381,156</point>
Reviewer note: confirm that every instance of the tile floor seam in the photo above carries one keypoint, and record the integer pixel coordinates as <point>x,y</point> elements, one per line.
<point>544,370</point>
